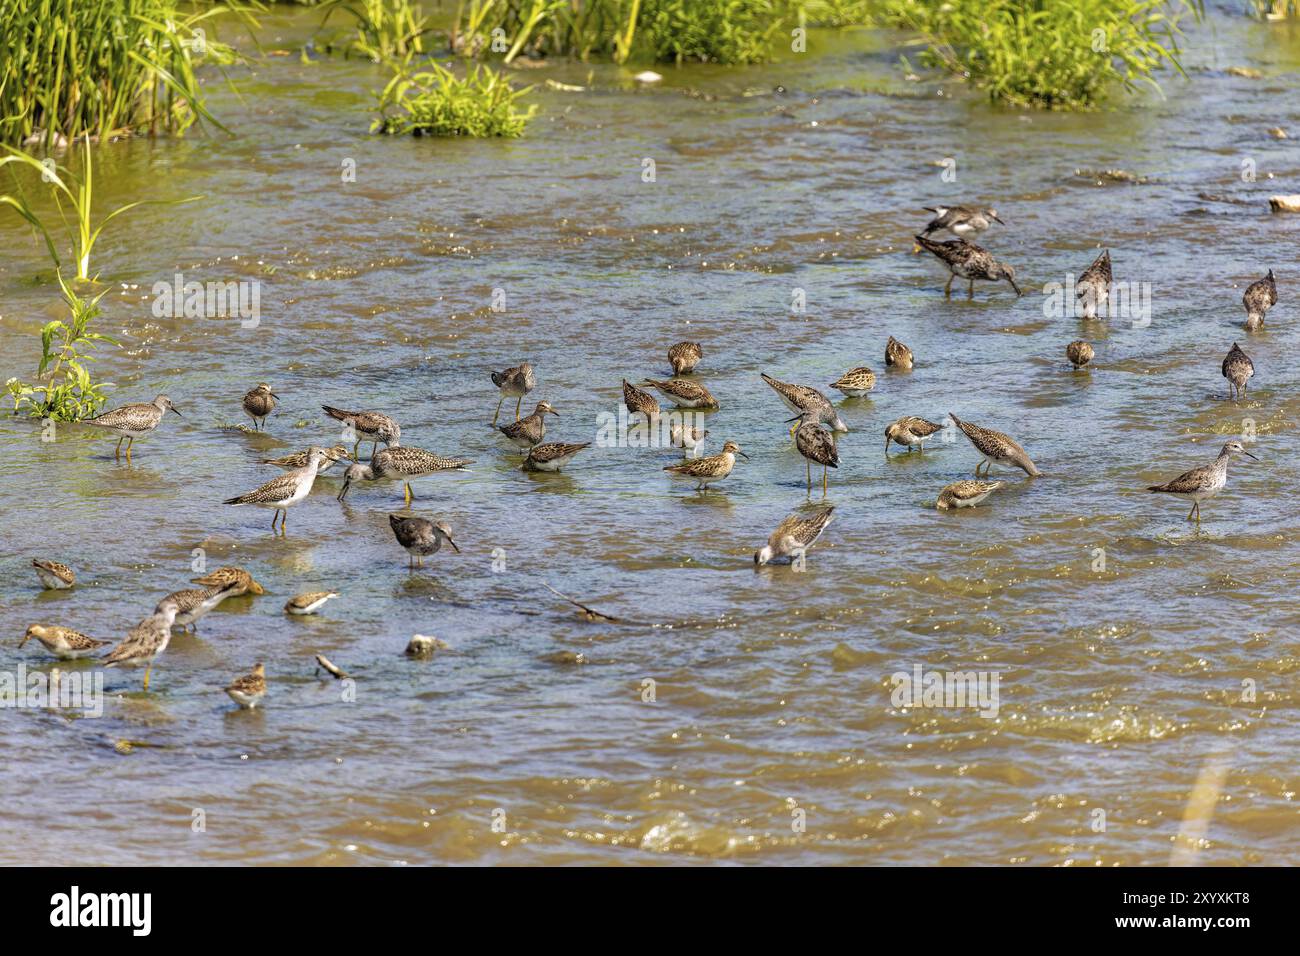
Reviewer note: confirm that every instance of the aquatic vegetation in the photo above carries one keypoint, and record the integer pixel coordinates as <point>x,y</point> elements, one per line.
<point>1055,54</point>
<point>1275,9</point>
<point>437,102</point>
<point>385,29</point>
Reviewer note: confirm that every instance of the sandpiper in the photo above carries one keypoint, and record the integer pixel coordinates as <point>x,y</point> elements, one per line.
<point>193,603</point>
<point>308,603</point>
<point>1237,369</point>
<point>258,403</point>
<point>816,444</point>
<point>640,403</point>
<point>248,691</point>
<point>793,536</point>
<point>243,581</point>
<point>145,642</point>
<point>552,456</point>
<point>688,437</point>
<point>286,490</point>
<point>803,400</point>
<point>1079,353</point>
<point>966,494</point>
<point>401,464</point>
<point>531,429</point>
<point>1093,287</point>
<point>898,355</point>
<point>63,642</point>
<point>910,431</point>
<point>970,262</point>
<point>996,448</point>
<point>856,382</point>
<point>1201,484</point>
<point>705,471</point>
<point>367,426</point>
<point>684,393</point>
<point>299,459</point>
<point>133,421</point>
<point>964,222</point>
<point>1259,298</point>
<point>54,576</point>
<point>420,537</point>
<point>514,382</point>
<point>684,356</point>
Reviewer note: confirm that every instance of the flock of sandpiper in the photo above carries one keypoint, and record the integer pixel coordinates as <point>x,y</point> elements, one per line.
<point>814,426</point>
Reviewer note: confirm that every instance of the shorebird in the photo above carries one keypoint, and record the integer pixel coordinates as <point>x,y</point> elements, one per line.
<point>964,222</point>
<point>684,393</point>
<point>1259,298</point>
<point>816,444</point>
<point>63,642</point>
<point>970,262</point>
<point>243,581</point>
<point>803,400</point>
<point>1201,484</point>
<point>1079,353</point>
<point>145,642</point>
<point>898,355</point>
<point>705,471</point>
<point>367,426</point>
<point>856,382</point>
<point>531,429</point>
<point>308,603</point>
<point>910,431</point>
<point>793,536</point>
<point>248,691</point>
<point>640,403</point>
<point>996,448</point>
<point>420,537</point>
<point>284,491</point>
<point>966,494</point>
<point>688,437</point>
<point>1237,369</point>
<point>54,576</point>
<point>133,421</point>
<point>552,456</point>
<point>514,382</point>
<point>193,603</point>
<point>299,459</point>
<point>401,464</point>
<point>684,356</point>
<point>1093,287</point>
<point>260,402</point>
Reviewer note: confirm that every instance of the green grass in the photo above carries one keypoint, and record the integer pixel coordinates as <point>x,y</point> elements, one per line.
<point>380,29</point>
<point>1275,9</point>
<point>436,102</point>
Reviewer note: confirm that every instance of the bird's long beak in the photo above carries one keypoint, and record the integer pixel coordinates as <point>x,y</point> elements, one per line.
<point>275,396</point>
<point>454,545</point>
<point>1014,286</point>
<point>743,455</point>
<point>173,408</point>
<point>996,219</point>
<point>554,412</point>
<point>347,483</point>
<point>887,440</point>
<point>1248,454</point>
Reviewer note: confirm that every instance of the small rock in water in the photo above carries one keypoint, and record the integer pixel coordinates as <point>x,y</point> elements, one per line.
<point>1277,132</point>
<point>1248,72</point>
<point>1284,203</point>
<point>647,76</point>
<point>422,646</point>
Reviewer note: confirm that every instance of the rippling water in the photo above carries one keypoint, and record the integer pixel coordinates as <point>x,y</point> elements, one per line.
<point>772,687</point>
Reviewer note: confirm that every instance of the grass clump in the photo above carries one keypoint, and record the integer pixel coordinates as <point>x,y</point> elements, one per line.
<point>383,29</point>
<point>1275,9</point>
<point>436,102</point>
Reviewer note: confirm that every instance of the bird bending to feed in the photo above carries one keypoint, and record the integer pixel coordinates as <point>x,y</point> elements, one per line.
<point>1079,353</point>
<point>243,581</point>
<point>966,494</point>
<point>803,400</point>
<point>401,463</point>
<point>705,471</point>
<point>684,393</point>
<point>856,382</point>
<point>639,402</point>
<point>193,603</point>
<point>552,456</point>
<point>970,262</point>
<point>1093,287</point>
<point>514,382</point>
<point>54,576</point>
<point>1237,369</point>
<point>689,437</point>
<point>308,603</point>
<point>367,426</point>
<point>793,536</point>
<point>133,421</point>
<point>816,444</point>
<point>996,448</point>
<point>531,429</point>
<point>1259,298</point>
<point>964,222</point>
<point>248,691</point>
<point>63,642</point>
<point>299,459</point>
<point>145,642</point>
<point>684,356</point>
<point>910,432</point>
<point>897,355</point>
<point>260,402</point>
<point>284,491</point>
<point>420,537</point>
<point>1201,484</point>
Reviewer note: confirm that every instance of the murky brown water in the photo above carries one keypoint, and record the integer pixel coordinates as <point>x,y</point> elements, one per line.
<point>772,687</point>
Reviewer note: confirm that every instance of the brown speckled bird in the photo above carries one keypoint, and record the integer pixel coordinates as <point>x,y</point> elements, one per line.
<point>1201,484</point>
<point>684,356</point>
<point>514,382</point>
<point>684,393</point>
<point>966,494</point>
<point>368,426</point>
<point>552,456</point>
<point>248,691</point>
<point>970,262</point>
<point>910,432</point>
<point>639,402</point>
<point>816,444</point>
<point>996,448</point>
<point>794,536</point>
<point>54,576</point>
<point>1093,287</point>
<point>243,581</point>
<point>1259,298</point>
<point>1237,369</point>
<point>531,429</point>
<point>133,421</point>
<point>402,463</point>
<point>705,471</point>
<point>856,382</point>
<point>63,642</point>
<point>258,403</point>
<point>897,355</point>
<point>1079,353</point>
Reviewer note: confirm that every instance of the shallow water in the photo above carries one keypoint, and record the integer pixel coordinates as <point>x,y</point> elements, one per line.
<point>1117,687</point>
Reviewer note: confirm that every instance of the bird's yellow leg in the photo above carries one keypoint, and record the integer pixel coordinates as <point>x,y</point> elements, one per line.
<point>823,481</point>
<point>117,453</point>
<point>409,495</point>
<point>498,414</point>
<point>809,474</point>
<point>518,405</point>
<point>147,669</point>
<point>947,290</point>
<point>129,443</point>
